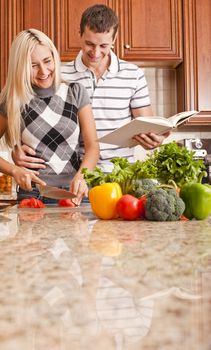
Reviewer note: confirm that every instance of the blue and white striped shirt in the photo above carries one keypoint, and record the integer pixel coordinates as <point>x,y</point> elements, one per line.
<point>121,88</point>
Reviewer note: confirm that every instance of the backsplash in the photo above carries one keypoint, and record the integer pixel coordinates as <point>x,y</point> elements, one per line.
<point>162,89</point>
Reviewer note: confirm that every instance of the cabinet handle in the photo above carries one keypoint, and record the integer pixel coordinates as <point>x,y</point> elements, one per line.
<point>127,46</point>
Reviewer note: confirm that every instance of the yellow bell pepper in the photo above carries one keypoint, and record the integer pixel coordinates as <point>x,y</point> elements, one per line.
<point>103,200</point>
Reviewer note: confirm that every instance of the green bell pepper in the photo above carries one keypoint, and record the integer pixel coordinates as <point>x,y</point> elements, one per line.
<point>197,198</point>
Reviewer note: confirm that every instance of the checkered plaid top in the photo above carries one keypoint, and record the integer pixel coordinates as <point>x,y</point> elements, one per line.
<point>51,128</point>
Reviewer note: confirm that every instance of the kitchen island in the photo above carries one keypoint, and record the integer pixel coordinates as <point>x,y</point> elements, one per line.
<point>72,282</point>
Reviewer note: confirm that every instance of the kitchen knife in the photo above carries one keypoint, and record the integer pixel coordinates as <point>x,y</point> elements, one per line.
<point>55,192</point>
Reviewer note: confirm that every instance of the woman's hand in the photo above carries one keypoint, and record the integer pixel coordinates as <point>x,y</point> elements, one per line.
<point>26,157</point>
<point>25,177</point>
<point>79,187</point>
<point>151,140</point>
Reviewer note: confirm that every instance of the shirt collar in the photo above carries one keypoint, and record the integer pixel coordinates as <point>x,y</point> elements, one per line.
<point>113,68</point>
<point>114,65</point>
<point>79,65</point>
<point>43,93</point>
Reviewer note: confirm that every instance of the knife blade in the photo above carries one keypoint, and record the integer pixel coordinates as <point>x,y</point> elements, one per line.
<point>55,192</point>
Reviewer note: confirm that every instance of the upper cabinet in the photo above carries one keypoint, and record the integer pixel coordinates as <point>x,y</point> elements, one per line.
<point>195,73</point>
<point>17,15</point>
<point>67,25</point>
<point>151,31</point>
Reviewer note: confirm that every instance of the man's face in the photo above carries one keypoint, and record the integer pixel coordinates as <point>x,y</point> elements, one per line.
<point>96,46</point>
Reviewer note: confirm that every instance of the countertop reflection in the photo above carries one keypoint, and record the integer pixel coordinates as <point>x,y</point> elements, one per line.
<point>72,282</point>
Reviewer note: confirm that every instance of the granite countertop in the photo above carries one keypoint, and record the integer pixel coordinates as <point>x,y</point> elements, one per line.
<point>72,282</point>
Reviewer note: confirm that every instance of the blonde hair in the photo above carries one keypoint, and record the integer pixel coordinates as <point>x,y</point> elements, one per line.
<point>18,90</point>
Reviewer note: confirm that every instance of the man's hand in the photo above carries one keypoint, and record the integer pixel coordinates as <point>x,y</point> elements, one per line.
<point>151,140</point>
<point>20,158</point>
<point>25,177</point>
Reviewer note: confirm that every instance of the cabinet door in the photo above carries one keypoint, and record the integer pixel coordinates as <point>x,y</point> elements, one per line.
<point>67,22</point>
<point>151,31</point>
<point>197,56</point>
<point>16,16</point>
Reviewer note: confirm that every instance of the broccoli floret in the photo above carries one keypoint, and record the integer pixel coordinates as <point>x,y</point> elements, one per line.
<point>143,186</point>
<point>164,205</point>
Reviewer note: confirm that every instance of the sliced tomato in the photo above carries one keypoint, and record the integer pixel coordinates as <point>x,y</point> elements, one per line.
<point>66,203</point>
<point>39,203</point>
<point>31,203</point>
<point>24,203</point>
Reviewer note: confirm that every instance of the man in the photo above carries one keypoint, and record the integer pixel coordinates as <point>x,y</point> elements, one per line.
<point>118,89</point>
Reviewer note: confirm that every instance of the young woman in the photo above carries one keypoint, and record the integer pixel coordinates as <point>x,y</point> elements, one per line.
<point>47,114</point>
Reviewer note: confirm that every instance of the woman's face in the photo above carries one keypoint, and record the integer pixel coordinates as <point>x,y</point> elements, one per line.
<point>43,67</point>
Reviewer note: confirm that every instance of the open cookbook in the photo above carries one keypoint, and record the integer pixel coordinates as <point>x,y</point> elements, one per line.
<point>143,125</point>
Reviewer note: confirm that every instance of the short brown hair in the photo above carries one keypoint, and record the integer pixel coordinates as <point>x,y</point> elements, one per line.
<point>100,19</point>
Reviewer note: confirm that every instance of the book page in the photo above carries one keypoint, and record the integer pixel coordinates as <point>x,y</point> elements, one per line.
<point>179,118</point>
<point>156,120</point>
<point>123,136</point>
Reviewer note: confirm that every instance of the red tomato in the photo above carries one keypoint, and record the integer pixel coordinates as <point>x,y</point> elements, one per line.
<point>66,203</point>
<point>31,203</point>
<point>130,207</point>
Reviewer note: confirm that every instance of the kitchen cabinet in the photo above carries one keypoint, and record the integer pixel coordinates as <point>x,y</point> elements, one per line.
<point>17,15</point>
<point>67,25</point>
<point>143,36</point>
<point>58,19</point>
<point>194,75</point>
<point>151,31</point>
